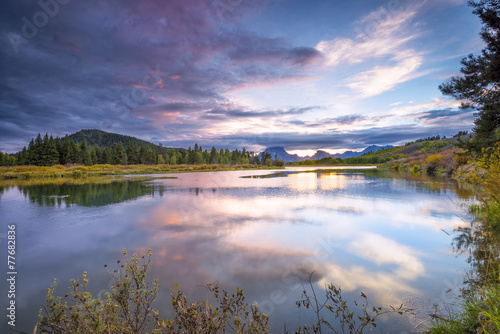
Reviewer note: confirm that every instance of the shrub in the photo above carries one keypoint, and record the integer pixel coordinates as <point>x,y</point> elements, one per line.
<point>350,321</point>
<point>126,310</point>
<point>199,317</point>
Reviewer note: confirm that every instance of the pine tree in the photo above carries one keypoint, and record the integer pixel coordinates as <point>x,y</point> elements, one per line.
<point>94,154</point>
<point>37,157</point>
<point>118,155</point>
<point>148,155</point>
<point>64,150</point>
<point>60,151</point>
<point>73,153</point>
<point>30,158</point>
<point>22,157</point>
<point>106,156</point>
<point>132,153</point>
<point>479,83</point>
<point>85,153</point>
<point>50,156</point>
<point>213,155</point>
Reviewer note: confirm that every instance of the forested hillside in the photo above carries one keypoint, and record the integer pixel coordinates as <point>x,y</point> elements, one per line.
<point>105,139</point>
<point>115,149</point>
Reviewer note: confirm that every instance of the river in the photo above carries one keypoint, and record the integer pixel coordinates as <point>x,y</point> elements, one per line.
<point>386,234</point>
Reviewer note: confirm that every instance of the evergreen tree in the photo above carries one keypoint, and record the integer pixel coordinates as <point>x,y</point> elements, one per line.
<point>479,82</point>
<point>30,156</point>
<point>37,151</point>
<point>94,154</point>
<point>132,153</point>
<point>190,155</point>
<point>64,150</point>
<point>118,155</point>
<point>106,156</point>
<point>148,155</point>
<point>60,151</point>
<point>198,158</point>
<point>73,153</point>
<point>50,156</point>
<point>22,157</point>
<point>221,156</point>
<point>213,155</point>
<point>85,153</point>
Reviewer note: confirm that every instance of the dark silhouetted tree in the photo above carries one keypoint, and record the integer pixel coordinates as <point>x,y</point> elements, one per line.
<point>478,85</point>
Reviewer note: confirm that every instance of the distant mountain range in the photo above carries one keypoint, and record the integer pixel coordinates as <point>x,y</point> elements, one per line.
<point>106,139</point>
<point>281,154</point>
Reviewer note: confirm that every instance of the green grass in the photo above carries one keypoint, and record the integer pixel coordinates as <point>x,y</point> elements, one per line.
<point>59,171</point>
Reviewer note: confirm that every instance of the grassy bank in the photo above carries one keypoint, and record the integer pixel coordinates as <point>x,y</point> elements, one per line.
<point>60,171</point>
<point>479,309</point>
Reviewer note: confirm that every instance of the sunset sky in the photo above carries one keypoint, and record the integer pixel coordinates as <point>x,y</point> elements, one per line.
<point>305,75</point>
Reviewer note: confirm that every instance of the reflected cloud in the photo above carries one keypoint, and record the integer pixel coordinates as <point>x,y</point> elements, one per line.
<point>382,250</point>
<point>384,287</point>
<point>361,229</point>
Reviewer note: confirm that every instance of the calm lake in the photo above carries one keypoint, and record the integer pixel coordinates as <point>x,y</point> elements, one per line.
<point>386,234</point>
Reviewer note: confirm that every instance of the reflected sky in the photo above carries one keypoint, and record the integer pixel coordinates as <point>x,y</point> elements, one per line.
<point>362,229</point>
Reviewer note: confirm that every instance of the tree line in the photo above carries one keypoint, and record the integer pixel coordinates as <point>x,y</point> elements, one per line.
<point>48,151</point>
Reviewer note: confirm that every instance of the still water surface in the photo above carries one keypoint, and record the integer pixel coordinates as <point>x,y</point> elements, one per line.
<point>386,234</point>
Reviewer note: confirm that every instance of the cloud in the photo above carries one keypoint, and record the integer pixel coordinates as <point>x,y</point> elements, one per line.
<point>344,120</point>
<point>381,79</point>
<point>240,113</point>
<point>120,60</point>
<point>381,250</point>
<point>388,37</point>
<point>250,48</point>
<point>438,103</point>
<point>383,35</point>
<point>441,113</point>
<point>332,139</point>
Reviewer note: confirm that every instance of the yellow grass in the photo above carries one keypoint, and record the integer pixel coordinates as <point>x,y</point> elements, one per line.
<point>78,171</point>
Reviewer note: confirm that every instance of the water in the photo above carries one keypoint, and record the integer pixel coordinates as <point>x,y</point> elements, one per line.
<point>388,235</point>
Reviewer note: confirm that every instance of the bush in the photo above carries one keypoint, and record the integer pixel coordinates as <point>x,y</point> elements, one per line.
<point>127,310</point>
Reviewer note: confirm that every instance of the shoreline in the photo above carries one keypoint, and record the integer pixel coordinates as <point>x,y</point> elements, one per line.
<point>80,171</point>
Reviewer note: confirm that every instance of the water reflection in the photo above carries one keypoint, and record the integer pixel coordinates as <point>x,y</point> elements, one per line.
<point>87,192</point>
<point>362,229</point>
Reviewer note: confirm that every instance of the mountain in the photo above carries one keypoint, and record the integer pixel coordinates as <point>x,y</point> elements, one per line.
<point>282,154</point>
<point>320,155</point>
<point>105,139</point>
<point>352,154</point>
<point>374,148</point>
<point>346,154</point>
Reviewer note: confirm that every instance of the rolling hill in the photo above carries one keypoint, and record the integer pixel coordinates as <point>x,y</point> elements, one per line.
<point>105,139</point>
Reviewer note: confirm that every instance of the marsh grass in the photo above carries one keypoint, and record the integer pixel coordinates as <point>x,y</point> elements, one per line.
<point>79,171</point>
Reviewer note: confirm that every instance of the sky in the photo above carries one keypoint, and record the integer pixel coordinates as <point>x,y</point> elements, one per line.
<point>305,75</point>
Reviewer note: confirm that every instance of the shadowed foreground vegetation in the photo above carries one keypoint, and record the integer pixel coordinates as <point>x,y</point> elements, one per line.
<point>129,308</point>
<point>479,309</point>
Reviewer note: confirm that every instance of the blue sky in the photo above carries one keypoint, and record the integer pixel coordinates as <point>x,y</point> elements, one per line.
<point>305,75</point>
